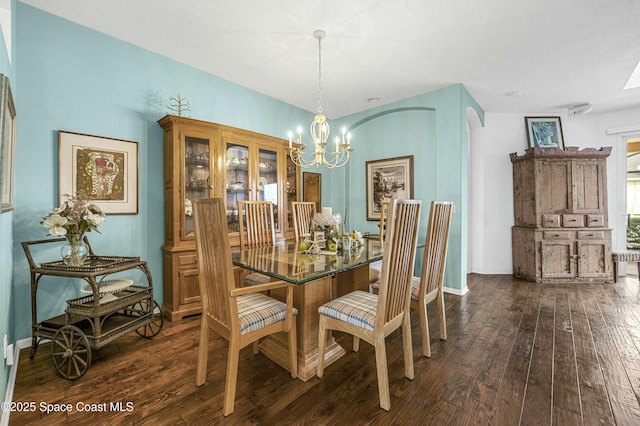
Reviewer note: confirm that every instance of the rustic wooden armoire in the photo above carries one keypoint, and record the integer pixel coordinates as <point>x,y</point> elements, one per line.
<point>561,229</point>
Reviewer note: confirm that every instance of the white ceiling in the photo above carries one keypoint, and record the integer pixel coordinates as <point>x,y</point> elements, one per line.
<point>557,53</point>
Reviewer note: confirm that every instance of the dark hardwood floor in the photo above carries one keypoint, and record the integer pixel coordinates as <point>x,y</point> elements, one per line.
<point>518,353</point>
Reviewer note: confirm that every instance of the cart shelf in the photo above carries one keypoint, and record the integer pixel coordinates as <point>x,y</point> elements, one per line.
<point>87,307</point>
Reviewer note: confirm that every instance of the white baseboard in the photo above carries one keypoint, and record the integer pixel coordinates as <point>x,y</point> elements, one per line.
<point>25,343</point>
<point>8,396</point>
<point>456,291</point>
<point>483,271</point>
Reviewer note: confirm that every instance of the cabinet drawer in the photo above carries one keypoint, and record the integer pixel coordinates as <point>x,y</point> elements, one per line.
<point>595,220</point>
<point>573,221</point>
<point>558,235</point>
<point>590,235</point>
<point>188,260</point>
<point>551,220</point>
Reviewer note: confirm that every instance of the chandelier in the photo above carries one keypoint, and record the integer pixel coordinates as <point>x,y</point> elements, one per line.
<point>320,132</point>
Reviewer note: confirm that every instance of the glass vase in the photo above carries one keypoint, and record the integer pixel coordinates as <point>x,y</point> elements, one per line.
<point>74,251</point>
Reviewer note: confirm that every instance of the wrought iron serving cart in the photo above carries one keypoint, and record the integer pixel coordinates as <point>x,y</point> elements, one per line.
<point>92,321</point>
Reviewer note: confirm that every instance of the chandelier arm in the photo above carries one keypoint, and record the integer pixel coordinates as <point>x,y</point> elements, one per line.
<point>319,158</point>
<point>297,158</point>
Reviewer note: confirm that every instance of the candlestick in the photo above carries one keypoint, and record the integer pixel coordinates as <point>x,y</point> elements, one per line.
<point>344,220</point>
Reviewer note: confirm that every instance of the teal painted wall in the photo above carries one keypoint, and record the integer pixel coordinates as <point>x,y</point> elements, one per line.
<point>75,79</point>
<point>6,238</point>
<point>6,233</point>
<point>438,141</point>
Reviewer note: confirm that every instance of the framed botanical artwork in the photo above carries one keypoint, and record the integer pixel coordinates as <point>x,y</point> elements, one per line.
<point>388,179</point>
<point>7,143</point>
<point>312,188</point>
<point>104,169</point>
<point>544,132</point>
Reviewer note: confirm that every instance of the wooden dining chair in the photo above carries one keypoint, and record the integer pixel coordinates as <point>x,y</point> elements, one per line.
<point>257,229</point>
<point>428,286</point>
<point>372,317</point>
<point>376,267</point>
<point>240,315</point>
<point>303,213</point>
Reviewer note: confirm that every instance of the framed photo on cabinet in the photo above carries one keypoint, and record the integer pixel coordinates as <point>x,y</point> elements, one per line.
<point>7,143</point>
<point>312,188</point>
<point>374,246</point>
<point>544,132</point>
<point>388,179</point>
<point>104,169</point>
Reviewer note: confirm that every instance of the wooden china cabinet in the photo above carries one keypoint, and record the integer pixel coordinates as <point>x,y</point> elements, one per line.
<point>203,160</point>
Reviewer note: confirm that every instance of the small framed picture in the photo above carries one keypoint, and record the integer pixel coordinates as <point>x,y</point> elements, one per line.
<point>312,188</point>
<point>374,247</point>
<point>318,238</point>
<point>544,132</point>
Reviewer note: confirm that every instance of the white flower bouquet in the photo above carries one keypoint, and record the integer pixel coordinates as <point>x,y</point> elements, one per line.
<point>75,216</point>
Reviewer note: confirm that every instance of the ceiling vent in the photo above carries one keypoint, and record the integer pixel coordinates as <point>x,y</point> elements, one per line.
<point>580,109</point>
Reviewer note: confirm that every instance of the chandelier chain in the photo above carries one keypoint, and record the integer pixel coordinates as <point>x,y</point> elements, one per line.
<point>319,75</point>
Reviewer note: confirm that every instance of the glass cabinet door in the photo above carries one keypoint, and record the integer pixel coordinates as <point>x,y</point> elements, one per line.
<point>237,181</point>
<point>267,185</point>
<point>197,177</point>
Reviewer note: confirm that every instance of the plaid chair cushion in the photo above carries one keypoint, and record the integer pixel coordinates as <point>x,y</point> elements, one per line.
<point>257,311</point>
<point>415,287</point>
<point>357,308</point>
<point>256,278</point>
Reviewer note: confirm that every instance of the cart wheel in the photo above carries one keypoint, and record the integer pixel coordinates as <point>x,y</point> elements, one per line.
<point>71,352</point>
<point>152,328</point>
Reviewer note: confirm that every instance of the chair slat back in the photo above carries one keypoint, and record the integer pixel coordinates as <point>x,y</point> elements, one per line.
<point>435,251</point>
<point>215,269</point>
<point>394,295</point>
<point>303,213</point>
<point>257,228</point>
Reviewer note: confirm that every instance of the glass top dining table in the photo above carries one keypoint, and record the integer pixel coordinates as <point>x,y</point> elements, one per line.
<point>317,278</point>
<point>286,262</point>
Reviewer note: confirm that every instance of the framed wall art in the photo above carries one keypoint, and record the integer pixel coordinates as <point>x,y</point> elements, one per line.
<point>388,179</point>
<point>7,143</point>
<point>104,169</point>
<point>544,132</point>
<point>312,188</point>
